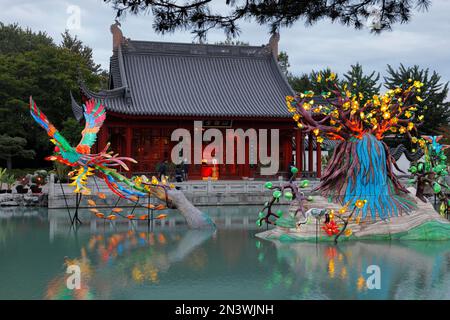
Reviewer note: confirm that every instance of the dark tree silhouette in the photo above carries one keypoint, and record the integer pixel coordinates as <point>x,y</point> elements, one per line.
<point>199,16</point>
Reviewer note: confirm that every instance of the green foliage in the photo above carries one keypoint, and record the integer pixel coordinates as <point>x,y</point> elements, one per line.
<point>231,42</point>
<point>360,82</point>
<point>7,177</point>
<point>310,81</point>
<point>355,80</point>
<point>31,64</point>
<point>17,40</point>
<point>13,147</point>
<point>300,83</point>
<point>199,16</point>
<point>318,85</point>
<point>283,62</point>
<point>76,46</point>
<point>9,180</point>
<point>71,130</point>
<point>2,176</point>
<point>434,107</point>
<point>61,171</point>
<point>21,172</point>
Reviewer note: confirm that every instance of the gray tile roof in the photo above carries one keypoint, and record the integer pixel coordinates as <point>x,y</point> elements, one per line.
<point>411,156</point>
<point>178,79</point>
<point>77,110</point>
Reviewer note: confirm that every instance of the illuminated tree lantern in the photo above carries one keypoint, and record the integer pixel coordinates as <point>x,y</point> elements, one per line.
<point>361,165</point>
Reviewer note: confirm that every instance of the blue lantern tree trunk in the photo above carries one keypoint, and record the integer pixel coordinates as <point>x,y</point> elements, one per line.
<point>361,169</point>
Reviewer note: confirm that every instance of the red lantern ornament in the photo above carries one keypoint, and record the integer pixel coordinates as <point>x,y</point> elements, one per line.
<point>331,228</point>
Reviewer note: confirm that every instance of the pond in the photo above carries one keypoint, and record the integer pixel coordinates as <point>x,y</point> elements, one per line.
<point>128,261</point>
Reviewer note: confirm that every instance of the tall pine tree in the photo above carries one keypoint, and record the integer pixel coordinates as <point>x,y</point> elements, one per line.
<point>432,102</point>
<point>360,82</point>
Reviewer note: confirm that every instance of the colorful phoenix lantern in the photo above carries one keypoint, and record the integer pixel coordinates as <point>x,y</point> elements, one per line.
<point>103,165</point>
<point>361,164</point>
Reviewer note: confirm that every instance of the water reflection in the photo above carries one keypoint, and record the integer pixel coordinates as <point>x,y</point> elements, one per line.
<point>122,260</point>
<point>408,270</point>
<point>9,216</point>
<point>111,262</point>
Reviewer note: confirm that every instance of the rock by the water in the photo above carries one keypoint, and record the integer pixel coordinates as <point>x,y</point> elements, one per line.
<point>422,224</point>
<point>195,218</point>
<point>9,203</point>
<point>17,199</point>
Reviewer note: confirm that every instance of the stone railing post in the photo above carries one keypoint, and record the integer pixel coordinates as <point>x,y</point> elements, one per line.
<point>51,185</point>
<point>209,186</point>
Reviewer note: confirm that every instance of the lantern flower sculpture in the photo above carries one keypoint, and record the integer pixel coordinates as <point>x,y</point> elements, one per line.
<point>432,171</point>
<point>361,164</point>
<point>291,191</point>
<point>331,228</point>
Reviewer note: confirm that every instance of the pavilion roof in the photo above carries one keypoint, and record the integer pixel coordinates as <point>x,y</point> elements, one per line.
<point>184,79</point>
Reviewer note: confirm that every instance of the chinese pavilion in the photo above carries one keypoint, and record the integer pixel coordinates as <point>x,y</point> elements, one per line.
<point>157,87</point>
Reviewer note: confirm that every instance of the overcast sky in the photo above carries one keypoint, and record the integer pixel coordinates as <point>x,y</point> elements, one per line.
<point>424,41</point>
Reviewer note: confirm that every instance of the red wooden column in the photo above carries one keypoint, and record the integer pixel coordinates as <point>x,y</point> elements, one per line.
<point>128,141</point>
<point>290,139</point>
<point>102,138</point>
<point>319,160</point>
<point>310,153</point>
<point>299,151</point>
<point>128,138</point>
<point>287,150</point>
<point>247,158</point>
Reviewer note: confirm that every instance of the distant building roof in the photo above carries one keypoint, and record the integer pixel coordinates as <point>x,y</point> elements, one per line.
<point>183,79</point>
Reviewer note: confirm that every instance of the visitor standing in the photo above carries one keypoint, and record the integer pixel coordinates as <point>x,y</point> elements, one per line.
<point>178,173</point>
<point>162,170</point>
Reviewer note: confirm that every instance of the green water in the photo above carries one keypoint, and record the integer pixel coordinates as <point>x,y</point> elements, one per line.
<point>125,261</point>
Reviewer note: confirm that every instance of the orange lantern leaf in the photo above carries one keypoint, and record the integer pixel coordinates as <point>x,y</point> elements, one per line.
<point>101,195</point>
